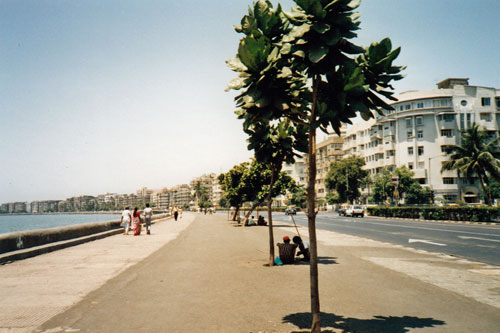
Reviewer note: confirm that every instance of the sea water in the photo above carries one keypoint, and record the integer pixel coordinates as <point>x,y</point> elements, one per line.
<point>13,223</point>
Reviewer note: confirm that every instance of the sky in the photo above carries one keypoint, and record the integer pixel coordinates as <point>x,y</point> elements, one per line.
<point>111,96</point>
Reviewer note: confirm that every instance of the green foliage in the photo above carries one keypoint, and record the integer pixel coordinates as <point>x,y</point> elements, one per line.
<point>346,177</point>
<point>418,194</point>
<point>333,197</point>
<point>477,156</point>
<point>483,214</point>
<point>233,185</point>
<point>299,197</point>
<point>250,182</point>
<point>382,187</point>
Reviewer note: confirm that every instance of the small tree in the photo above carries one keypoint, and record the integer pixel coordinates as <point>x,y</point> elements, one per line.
<point>232,183</point>
<point>346,177</point>
<point>299,196</point>
<point>418,194</point>
<point>382,186</point>
<point>303,67</point>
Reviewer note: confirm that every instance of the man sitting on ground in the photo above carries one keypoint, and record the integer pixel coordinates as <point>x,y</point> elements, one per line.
<point>261,221</point>
<point>287,251</point>
<point>303,247</point>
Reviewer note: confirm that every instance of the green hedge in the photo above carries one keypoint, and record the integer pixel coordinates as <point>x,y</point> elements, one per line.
<point>475,214</point>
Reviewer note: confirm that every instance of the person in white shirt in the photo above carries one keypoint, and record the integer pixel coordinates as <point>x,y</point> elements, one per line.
<point>125,221</point>
<point>148,213</point>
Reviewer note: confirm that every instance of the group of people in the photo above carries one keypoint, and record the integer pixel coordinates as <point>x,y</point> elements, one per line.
<point>287,250</point>
<point>133,220</point>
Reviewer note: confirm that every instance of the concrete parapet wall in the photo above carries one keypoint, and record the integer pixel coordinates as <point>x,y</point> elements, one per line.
<point>26,239</point>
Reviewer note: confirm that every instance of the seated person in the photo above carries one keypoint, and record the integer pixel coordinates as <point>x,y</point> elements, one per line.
<point>261,221</point>
<point>251,221</point>
<point>287,251</point>
<point>303,247</point>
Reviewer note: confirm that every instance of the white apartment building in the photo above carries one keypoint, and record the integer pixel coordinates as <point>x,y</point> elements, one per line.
<point>419,130</point>
<point>297,171</point>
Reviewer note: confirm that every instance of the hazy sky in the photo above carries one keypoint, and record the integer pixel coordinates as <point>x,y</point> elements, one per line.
<point>109,96</point>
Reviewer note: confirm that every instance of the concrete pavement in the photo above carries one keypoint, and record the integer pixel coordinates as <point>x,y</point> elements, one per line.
<point>205,274</point>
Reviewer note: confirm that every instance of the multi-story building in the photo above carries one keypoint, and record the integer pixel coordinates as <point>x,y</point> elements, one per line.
<point>180,196</point>
<point>208,182</point>
<point>327,152</point>
<point>297,171</point>
<point>419,131</point>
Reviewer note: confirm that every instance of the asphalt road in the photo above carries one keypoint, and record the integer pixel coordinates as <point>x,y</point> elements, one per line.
<point>474,242</point>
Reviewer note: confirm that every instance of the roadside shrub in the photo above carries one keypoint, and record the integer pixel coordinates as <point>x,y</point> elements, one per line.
<point>474,214</point>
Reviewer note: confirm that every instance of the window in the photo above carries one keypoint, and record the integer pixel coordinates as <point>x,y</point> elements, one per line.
<point>419,120</point>
<point>450,198</point>
<point>485,101</point>
<point>420,165</point>
<point>420,105</point>
<point>468,120</point>
<point>409,135</point>
<point>420,150</point>
<point>410,150</point>
<point>407,106</point>
<point>422,181</point>
<point>449,117</point>
<point>497,99</point>
<point>410,166</point>
<point>462,121</point>
<point>485,116</point>
<point>447,132</point>
<point>449,180</point>
<point>408,122</point>
<point>420,134</point>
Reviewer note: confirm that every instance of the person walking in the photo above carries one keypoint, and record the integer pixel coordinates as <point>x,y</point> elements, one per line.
<point>125,220</point>
<point>148,214</point>
<point>176,213</point>
<point>136,221</point>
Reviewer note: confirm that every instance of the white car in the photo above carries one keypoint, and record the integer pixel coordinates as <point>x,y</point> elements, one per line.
<point>354,211</point>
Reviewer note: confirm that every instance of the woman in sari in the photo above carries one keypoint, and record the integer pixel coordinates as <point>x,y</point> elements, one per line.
<point>136,221</point>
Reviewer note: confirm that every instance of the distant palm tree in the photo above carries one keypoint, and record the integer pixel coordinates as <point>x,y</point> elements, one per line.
<point>478,155</point>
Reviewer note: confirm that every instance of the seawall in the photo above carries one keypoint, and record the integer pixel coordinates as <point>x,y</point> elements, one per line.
<point>16,245</point>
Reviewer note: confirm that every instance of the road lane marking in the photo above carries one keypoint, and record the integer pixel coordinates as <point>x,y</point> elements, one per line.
<point>411,240</point>
<point>479,238</point>
<point>433,229</point>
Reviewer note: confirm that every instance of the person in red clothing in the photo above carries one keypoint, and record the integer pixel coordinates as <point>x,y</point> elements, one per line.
<point>136,221</point>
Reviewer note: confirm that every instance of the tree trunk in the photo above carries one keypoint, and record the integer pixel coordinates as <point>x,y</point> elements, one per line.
<point>270,218</point>
<point>481,181</point>
<point>311,214</point>
<point>236,211</point>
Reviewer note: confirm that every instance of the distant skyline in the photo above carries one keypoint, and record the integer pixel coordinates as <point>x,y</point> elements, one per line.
<point>112,96</point>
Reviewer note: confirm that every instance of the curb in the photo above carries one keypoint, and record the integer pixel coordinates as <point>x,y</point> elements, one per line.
<point>437,221</point>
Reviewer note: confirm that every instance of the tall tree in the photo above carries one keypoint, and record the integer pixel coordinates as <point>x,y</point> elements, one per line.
<point>346,177</point>
<point>477,156</point>
<point>302,67</point>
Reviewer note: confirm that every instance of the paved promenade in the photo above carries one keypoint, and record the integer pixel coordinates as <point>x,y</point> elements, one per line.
<point>205,274</point>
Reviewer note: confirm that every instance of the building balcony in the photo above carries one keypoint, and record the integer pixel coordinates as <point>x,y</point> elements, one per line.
<point>420,173</point>
<point>445,140</point>
<point>390,160</point>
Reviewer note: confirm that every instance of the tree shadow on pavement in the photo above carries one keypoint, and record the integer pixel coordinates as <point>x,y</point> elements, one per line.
<point>345,324</point>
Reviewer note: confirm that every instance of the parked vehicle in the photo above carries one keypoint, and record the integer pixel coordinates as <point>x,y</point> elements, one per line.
<point>290,211</point>
<point>354,211</point>
<point>342,209</point>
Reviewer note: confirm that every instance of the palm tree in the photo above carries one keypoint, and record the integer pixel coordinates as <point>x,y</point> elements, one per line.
<point>478,155</point>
